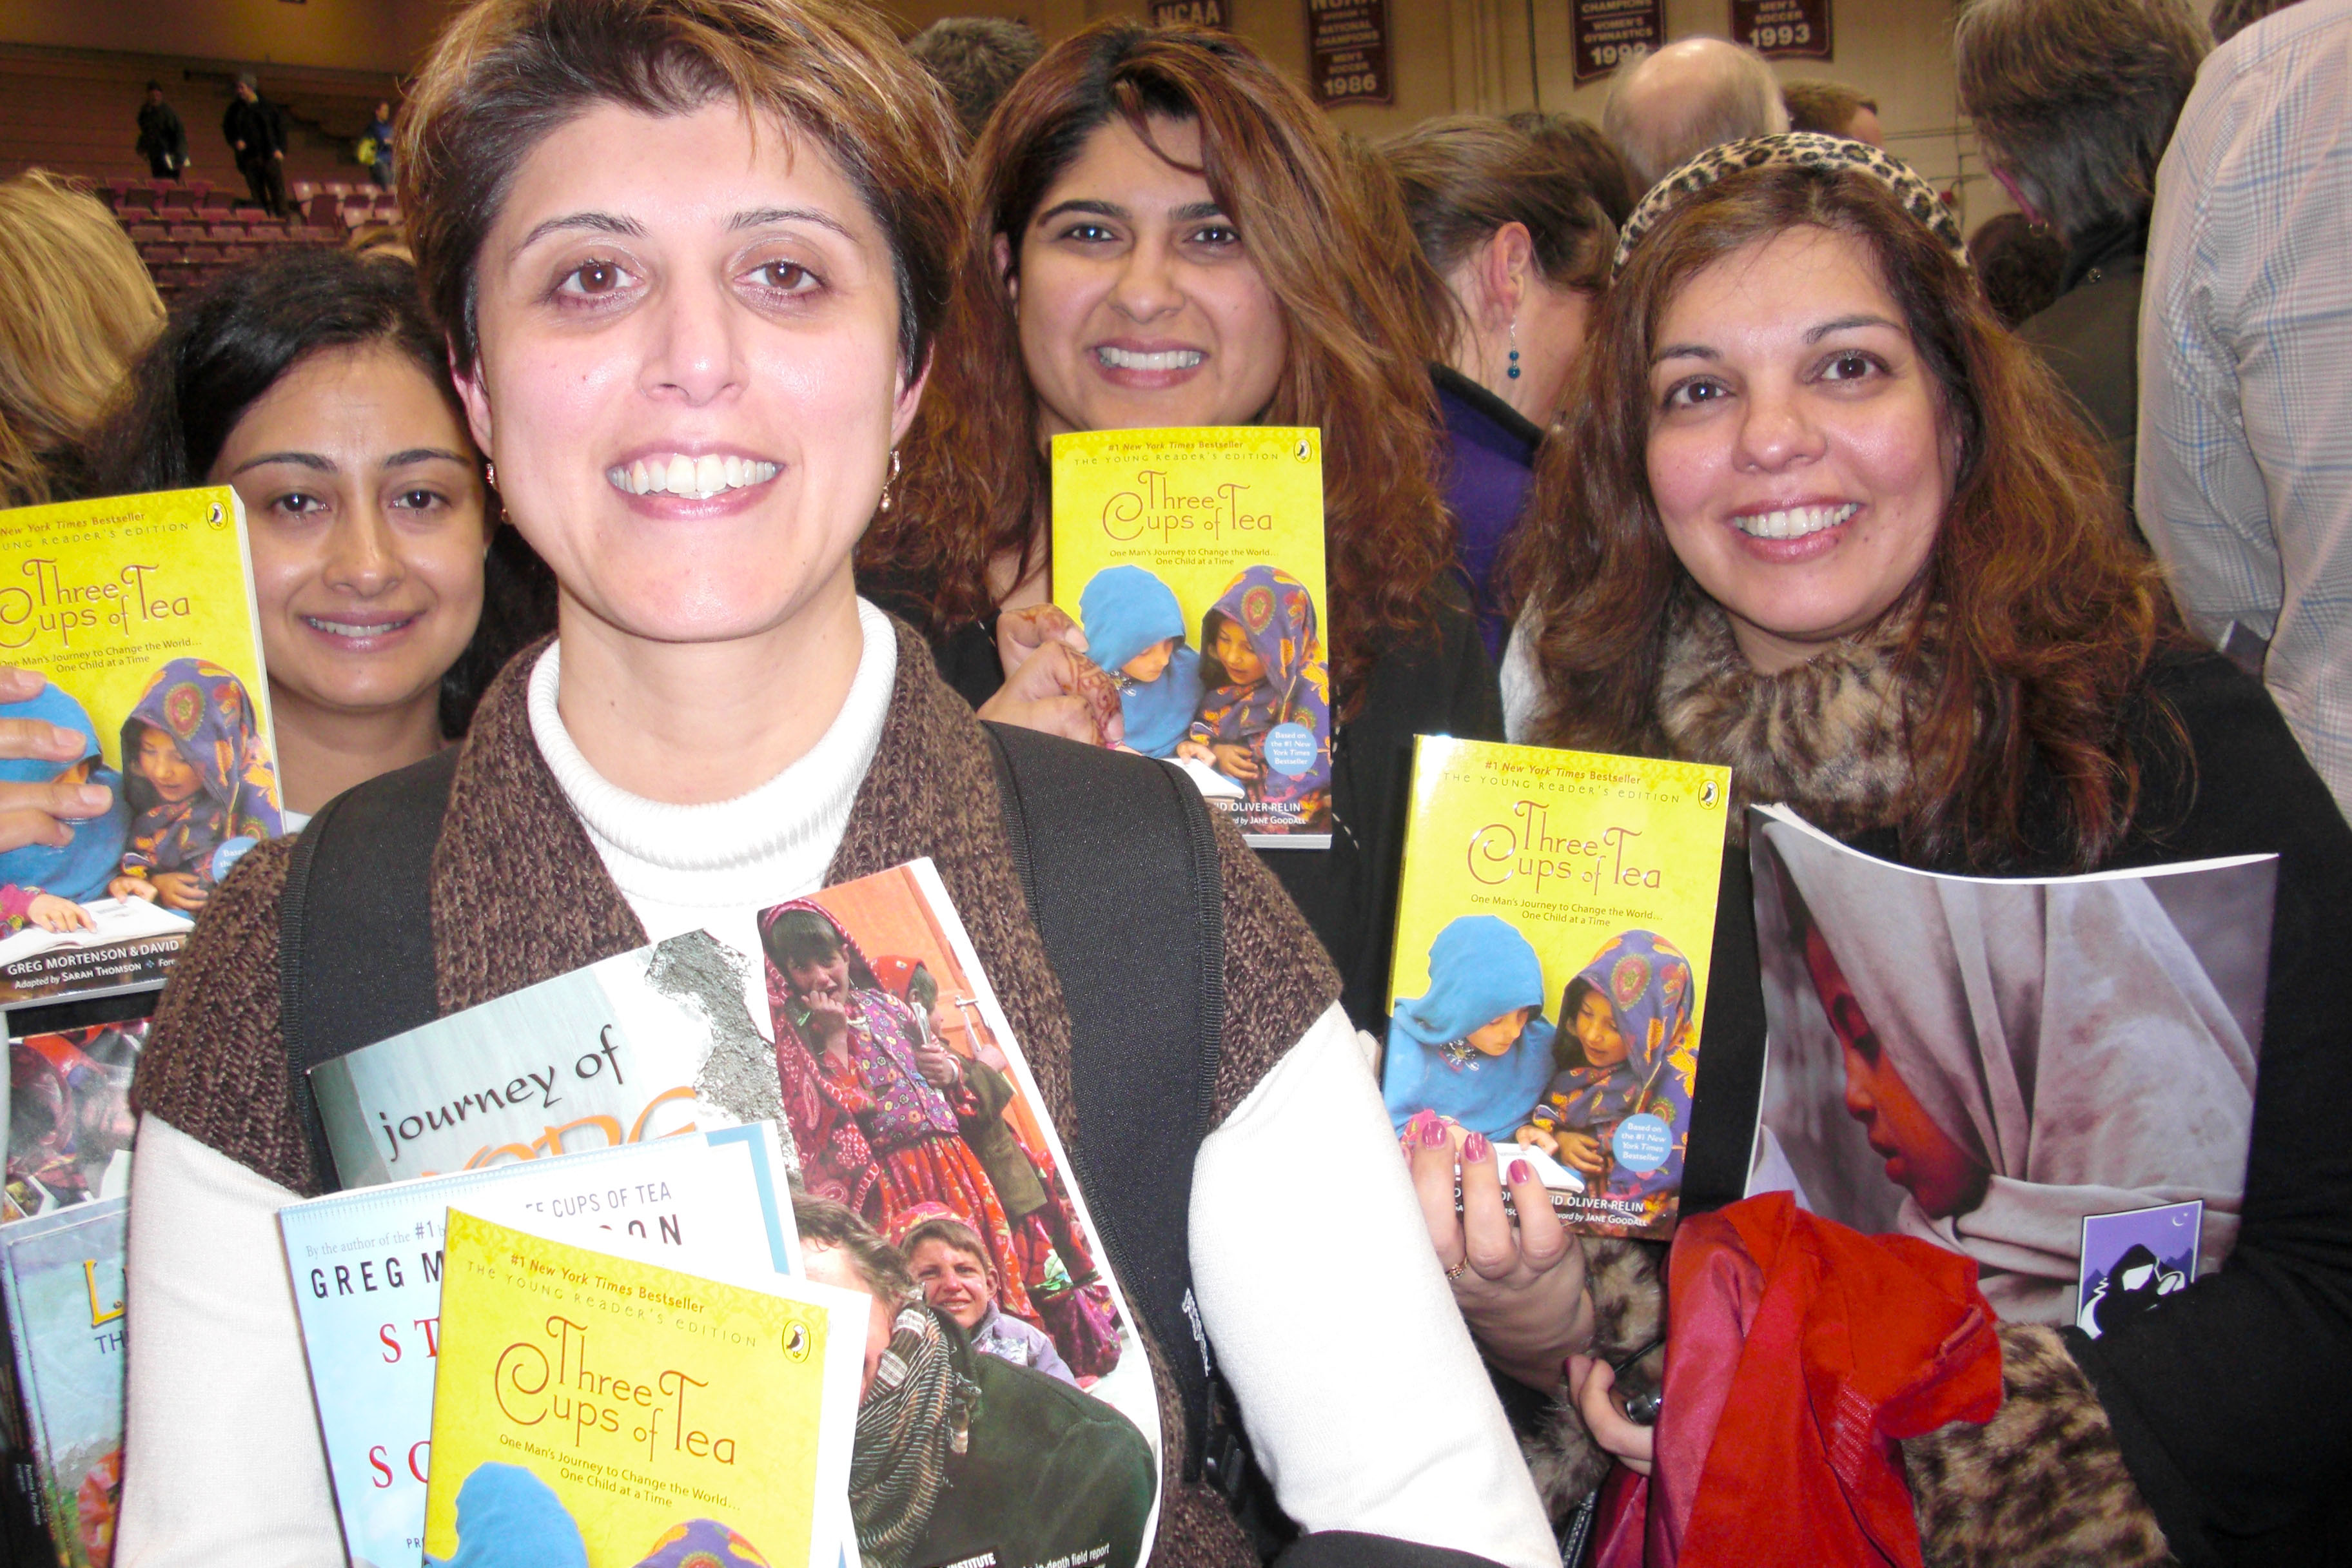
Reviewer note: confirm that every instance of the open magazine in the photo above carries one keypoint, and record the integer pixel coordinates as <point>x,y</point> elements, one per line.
<point>1988,1064</point>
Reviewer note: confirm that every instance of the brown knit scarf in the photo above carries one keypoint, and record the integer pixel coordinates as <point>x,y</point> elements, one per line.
<point>1827,738</point>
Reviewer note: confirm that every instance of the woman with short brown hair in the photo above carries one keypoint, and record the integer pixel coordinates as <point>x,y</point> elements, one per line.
<point>690,257</point>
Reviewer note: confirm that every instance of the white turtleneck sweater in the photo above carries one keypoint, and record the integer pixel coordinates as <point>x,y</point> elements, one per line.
<point>1316,1282</point>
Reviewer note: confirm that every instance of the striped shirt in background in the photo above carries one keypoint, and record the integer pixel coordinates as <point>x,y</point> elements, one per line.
<point>2245,348</point>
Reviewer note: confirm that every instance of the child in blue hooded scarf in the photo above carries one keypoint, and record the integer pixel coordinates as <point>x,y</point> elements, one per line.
<point>200,780</point>
<point>44,886</point>
<point>1475,1048</point>
<point>1135,629</point>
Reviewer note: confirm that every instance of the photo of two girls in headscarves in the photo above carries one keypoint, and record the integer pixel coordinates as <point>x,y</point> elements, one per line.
<point>1985,1065</point>
<point>906,1108</point>
<point>1249,706</point>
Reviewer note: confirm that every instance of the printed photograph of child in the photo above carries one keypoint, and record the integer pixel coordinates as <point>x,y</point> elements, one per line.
<point>46,886</point>
<point>198,780</point>
<point>1135,630</point>
<point>1265,715</point>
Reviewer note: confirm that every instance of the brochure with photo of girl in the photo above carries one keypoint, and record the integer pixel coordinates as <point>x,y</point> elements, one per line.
<point>1194,561</point>
<point>911,1102</point>
<point>1989,1064</point>
<point>139,610</point>
<point>1549,985</point>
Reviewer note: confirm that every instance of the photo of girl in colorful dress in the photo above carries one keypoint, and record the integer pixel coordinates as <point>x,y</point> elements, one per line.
<point>198,780</point>
<point>1135,629</point>
<point>829,1007</point>
<point>1265,719</point>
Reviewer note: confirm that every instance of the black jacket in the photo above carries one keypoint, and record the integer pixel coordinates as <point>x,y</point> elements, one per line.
<point>2233,1408</point>
<point>260,125</point>
<point>1442,685</point>
<point>2090,337</point>
<point>161,134</point>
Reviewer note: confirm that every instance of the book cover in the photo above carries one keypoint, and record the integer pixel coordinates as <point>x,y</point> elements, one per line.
<point>646,1043</point>
<point>1195,560</point>
<point>912,1102</point>
<point>139,610</point>
<point>367,1266</point>
<point>69,1120</point>
<point>61,1283</point>
<point>1555,925</point>
<point>1987,1063</point>
<point>636,1407</point>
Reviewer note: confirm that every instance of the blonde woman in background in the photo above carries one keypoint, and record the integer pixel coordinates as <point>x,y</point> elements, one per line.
<point>76,307</point>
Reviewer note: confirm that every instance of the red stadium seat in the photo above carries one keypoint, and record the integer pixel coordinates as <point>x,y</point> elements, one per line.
<point>148,231</point>
<point>190,233</point>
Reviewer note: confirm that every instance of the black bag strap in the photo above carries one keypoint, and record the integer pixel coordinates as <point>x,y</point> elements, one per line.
<point>355,927</point>
<point>1119,861</point>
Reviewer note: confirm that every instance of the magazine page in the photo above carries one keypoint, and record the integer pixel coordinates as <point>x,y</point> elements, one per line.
<point>912,1103</point>
<point>1195,560</point>
<point>1554,929</point>
<point>139,610</point>
<point>61,1285</point>
<point>1988,1064</point>
<point>643,1410</point>
<point>637,1046</point>
<point>368,1267</point>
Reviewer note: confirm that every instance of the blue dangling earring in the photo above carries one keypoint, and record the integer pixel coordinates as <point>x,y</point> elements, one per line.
<point>1514,371</point>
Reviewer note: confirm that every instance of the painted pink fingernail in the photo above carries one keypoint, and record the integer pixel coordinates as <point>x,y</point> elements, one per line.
<point>1522,1171</point>
<point>1475,1150</point>
<point>1432,1132</point>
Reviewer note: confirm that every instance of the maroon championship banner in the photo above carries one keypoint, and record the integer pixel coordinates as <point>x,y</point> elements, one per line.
<point>1189,14</point>
<point>1348,40</point>
<point>1783,29</point>
<point>1610,32</point>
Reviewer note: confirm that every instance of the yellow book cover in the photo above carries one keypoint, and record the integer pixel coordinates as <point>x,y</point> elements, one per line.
<point>1195,560</point>
<point>139,610</point>
<point>1554,929</point>
<point>640,1408</point>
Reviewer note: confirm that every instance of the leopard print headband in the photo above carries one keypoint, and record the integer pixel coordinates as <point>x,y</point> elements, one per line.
<point>1806,150</point>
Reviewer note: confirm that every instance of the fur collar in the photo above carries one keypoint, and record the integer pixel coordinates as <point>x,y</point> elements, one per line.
<point>1827,738</point>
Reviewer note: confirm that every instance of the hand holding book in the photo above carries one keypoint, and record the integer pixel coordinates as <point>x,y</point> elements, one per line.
<point>1516,1272</point>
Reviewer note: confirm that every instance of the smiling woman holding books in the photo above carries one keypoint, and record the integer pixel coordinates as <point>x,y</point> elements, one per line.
<point>1824,521</point>
<point>690,257</point>
<point>1160,232</point>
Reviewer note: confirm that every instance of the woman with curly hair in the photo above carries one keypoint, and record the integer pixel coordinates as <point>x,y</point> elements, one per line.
<point>1160,230</point>
<point>1825,522</point>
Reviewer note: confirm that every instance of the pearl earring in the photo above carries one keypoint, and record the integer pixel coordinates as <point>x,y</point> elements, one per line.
<point>889,482</point>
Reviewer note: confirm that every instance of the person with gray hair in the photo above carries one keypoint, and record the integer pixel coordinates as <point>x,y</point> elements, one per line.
<point>976,60</point>
<point>1670,106</point>
<point>2073,102</point>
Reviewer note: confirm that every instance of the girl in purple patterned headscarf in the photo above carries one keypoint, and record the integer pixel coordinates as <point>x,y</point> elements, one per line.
<point>1262,661</point>
<point>197,776</point>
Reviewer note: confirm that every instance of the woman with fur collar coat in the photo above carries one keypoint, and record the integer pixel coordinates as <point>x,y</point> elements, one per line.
<point>1824,521</point>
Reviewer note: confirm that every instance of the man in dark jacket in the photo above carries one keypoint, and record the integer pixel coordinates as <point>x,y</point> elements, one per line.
<point>256,129</point>
<point>163,140</point>
<point>2073,101</point>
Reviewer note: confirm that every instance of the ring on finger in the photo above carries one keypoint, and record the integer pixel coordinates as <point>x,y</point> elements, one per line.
<point>1458,1270</point>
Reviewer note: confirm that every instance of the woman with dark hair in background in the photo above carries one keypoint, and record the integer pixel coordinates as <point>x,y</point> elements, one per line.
<point>1825,522</point>
<point>1524,252</point>
<point>1161,231</point>
<point>389,593</point>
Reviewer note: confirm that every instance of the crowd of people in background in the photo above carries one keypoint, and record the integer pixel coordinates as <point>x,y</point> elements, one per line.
<point>1702,432</point>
